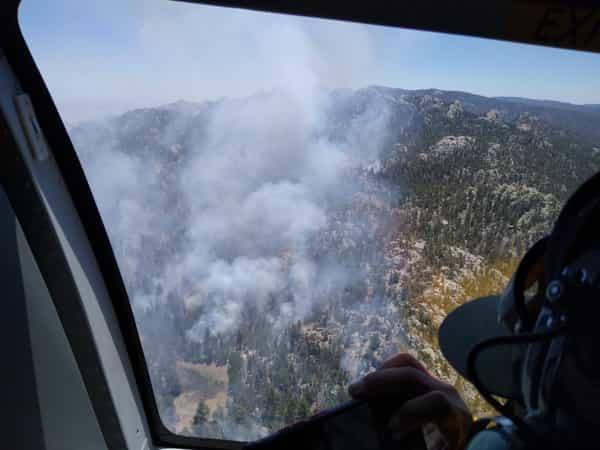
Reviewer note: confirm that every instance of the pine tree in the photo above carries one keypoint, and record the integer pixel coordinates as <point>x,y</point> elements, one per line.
<point>200,419</point>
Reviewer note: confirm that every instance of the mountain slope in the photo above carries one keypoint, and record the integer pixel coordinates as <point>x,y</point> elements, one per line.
<point>293,249</point>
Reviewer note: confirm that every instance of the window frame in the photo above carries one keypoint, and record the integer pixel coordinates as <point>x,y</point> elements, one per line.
<point>428,15</point>
<point>21,62</point>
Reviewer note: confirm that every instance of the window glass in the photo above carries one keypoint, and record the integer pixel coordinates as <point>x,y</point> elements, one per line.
<point>293,200</point>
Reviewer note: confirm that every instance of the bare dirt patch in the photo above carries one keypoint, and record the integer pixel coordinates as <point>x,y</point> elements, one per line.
<point>199,382</point>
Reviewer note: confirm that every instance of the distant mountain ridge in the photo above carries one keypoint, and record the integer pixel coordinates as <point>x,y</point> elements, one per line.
<point>578,118</point>
<point>550,103</point>
<point>581,119</point>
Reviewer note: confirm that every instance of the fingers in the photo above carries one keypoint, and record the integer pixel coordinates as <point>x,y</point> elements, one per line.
<point>429,407</point>
<point>421,399</point>
<point>403,360</point>
<point>400,382</point>
<point>452,418</point>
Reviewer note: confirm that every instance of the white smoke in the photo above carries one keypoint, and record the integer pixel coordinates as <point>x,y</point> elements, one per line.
<point>120,187</point>
<point>213,52</point>
<point>239,190</point>
<point>260,177</point>
<point>256,187</point>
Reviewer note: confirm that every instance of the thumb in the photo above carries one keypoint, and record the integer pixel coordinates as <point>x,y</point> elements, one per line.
<point>435,407</point>
<point>430,407</point>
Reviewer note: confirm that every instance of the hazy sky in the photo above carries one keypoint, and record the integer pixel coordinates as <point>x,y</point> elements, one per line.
<point>102,57</point>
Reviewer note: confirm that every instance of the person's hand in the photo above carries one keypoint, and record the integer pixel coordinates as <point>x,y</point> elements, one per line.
<point>422,399</point>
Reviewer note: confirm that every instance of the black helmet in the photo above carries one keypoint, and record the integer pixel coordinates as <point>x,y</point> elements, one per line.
<point>538,343</point>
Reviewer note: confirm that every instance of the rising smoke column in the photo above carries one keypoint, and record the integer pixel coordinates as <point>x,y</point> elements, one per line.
<point>232,192</point>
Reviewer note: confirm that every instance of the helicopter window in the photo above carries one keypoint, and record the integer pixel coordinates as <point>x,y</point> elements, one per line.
<point>292,200</point>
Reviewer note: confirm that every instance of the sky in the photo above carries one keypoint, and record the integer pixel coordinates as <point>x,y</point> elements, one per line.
<point>104,57</point>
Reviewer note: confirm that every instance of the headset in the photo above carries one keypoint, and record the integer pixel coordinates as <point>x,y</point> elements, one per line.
<point>552,308</point>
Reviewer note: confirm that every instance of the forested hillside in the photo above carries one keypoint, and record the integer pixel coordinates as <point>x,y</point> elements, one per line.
<point>273,251</point>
